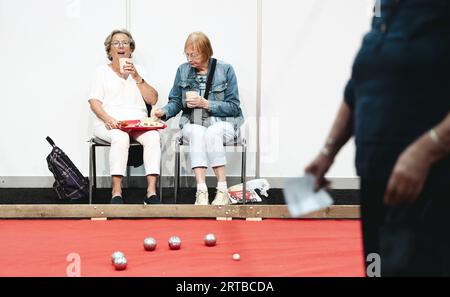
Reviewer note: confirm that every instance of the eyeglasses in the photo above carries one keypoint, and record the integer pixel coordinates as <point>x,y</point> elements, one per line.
<point>117,43</point>
<point>192,55</point>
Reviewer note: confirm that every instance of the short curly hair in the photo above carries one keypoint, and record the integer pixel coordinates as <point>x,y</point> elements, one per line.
<point>109,38</point>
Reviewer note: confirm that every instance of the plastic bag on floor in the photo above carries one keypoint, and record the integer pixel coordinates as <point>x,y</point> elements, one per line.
<point>251,196</point>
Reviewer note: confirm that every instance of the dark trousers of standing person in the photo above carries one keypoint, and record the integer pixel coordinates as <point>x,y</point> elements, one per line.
<point>411,240</point>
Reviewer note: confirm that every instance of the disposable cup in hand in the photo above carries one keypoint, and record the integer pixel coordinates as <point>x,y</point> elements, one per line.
<point>123,63</point>
<point>191,94</point>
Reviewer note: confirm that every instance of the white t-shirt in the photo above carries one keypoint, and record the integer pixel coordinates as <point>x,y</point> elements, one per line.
<point>120,98</point>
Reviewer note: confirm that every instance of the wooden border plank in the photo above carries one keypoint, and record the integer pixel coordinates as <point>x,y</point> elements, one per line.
<point>169,211</point>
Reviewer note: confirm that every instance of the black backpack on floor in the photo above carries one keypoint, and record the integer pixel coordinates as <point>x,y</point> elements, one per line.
<point>69,183</point>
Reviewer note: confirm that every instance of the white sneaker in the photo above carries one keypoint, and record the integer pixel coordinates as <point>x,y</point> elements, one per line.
<point>201,198</point>
<point>222,198</point>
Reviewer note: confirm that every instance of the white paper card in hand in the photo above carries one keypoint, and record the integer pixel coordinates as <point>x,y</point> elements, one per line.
<point>301,198</point>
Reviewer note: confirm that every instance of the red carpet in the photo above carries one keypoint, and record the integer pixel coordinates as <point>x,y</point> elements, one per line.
<point>267,248</point>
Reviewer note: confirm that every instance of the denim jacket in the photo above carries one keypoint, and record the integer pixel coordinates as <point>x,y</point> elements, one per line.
<point>224,103</point>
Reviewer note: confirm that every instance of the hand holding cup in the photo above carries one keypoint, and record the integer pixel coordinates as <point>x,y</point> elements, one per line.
<point>193,99</point>
<point>126,65</point>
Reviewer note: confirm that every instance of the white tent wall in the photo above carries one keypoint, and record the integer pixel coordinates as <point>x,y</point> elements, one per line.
<point>308,50</point>
<point>51,48</point>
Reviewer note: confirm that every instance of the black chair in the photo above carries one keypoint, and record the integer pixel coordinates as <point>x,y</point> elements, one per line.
<point>239,140</point>
<point>135,159</point>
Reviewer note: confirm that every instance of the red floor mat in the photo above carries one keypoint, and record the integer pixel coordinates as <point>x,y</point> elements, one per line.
<point>267,248</point>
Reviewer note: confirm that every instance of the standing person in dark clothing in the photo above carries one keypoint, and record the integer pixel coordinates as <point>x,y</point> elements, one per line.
<point>397,105</point>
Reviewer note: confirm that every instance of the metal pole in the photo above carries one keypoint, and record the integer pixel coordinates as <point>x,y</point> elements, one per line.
<point>128,14</point>
<point>258,86</point>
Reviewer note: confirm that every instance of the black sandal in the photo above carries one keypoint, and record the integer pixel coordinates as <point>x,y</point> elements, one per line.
<point>117,200</point>
<point>153,199</point>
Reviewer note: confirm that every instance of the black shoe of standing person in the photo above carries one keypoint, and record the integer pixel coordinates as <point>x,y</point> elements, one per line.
<point>153,199</point>
<point>117,200</point>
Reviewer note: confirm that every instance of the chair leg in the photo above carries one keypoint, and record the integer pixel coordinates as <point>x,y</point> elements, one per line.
<point>91,168</point>
<point>244,172</point>
<point>127,180</point>
<point>94,174</point>
<point>160,182</point>
<point>176,171</point>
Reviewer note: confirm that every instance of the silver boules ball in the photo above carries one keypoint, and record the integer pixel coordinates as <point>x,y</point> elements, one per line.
<point>120,263</point>
<point>174,243</point>
<point>210,239</point>
<point>115,255</point>
<point>149,244</point>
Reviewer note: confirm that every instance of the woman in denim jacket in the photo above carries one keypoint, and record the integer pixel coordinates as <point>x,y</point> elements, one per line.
<point>205,124</point>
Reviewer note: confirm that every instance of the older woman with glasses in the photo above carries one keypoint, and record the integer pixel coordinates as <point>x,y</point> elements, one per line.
<point>205,123</point>
<point>122,94</point>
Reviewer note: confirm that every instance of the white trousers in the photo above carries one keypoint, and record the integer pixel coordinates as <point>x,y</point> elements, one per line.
<point>120,143</point>
<point>206,144</point>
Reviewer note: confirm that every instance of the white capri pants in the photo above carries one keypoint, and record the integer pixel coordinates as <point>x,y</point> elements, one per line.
<point>120,143</point>
<point>206,144</point>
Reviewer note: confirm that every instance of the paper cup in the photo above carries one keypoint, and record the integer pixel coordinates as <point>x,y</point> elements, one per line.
<point>191,94</point>
<point>122,63</point>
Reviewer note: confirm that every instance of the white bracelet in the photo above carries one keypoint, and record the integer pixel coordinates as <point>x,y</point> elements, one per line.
<point>330,141</point>
<point>325,151</point>
<point>435,137</point>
